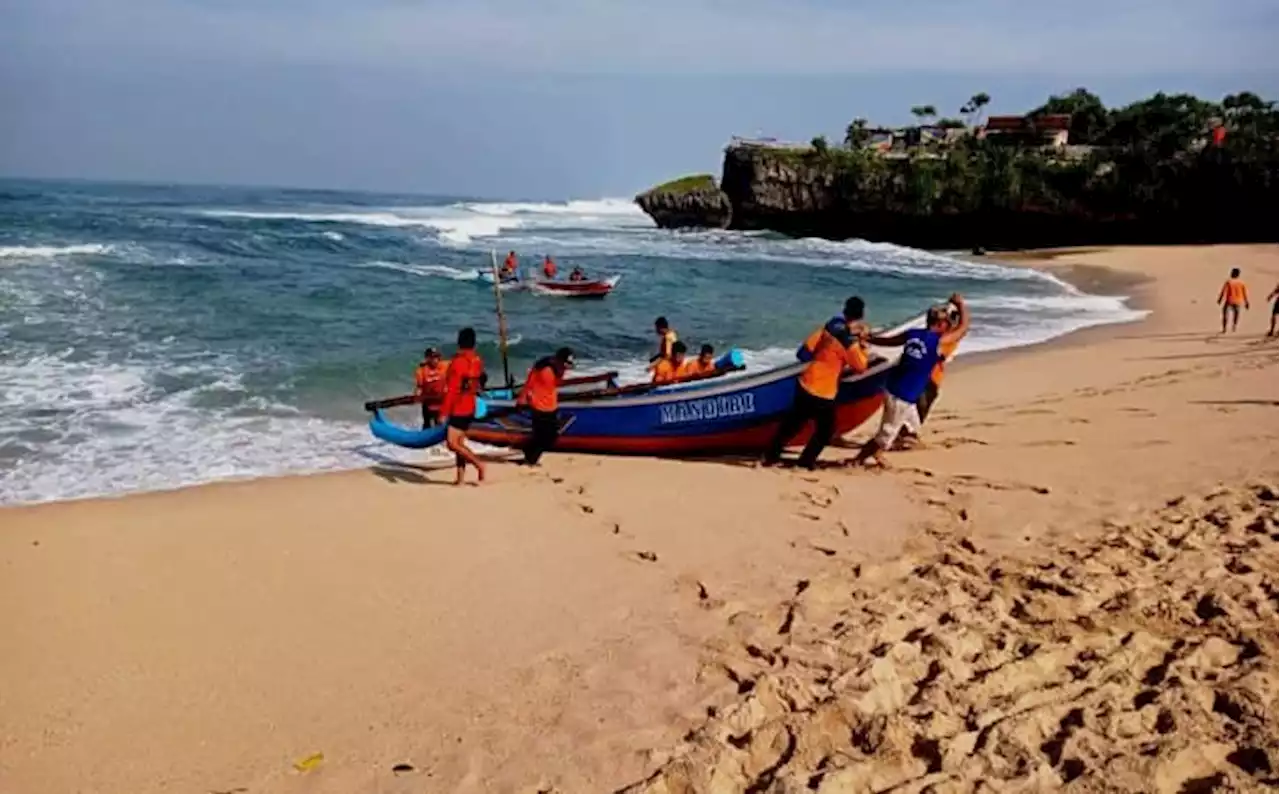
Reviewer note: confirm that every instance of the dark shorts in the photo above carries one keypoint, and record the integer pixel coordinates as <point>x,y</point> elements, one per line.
<point>462,423</point>
<point>1275,307</point>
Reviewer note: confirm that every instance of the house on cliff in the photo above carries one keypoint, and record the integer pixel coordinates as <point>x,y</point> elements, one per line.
<point>1050,129</point>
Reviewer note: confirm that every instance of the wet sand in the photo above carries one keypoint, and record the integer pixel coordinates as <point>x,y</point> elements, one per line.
<point>572,629</point>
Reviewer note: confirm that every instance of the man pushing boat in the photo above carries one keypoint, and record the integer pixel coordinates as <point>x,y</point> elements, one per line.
<point>540,395</point>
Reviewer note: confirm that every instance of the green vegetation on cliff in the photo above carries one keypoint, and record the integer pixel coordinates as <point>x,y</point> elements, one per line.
<point>686,184</point>
<point>1170,168</point>
<point>1158,155</point>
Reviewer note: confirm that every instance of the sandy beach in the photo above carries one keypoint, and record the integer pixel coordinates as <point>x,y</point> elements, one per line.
<point>1073,584</point>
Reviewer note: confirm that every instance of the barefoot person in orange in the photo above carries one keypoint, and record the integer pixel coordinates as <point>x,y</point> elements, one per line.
<point>463,382</point>
<point>1274,297</point>
<point>1231,297</point>
<point>541,396</point>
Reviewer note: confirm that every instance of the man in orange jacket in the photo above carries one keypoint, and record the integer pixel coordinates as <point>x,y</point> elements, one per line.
<point>541,396</point>
<point>428,384</point>
<point>835,347</point>
<point>464,380</point>
<point>1231,297</point>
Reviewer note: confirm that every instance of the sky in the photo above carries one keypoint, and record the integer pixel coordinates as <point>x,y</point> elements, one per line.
<point>554,98</point>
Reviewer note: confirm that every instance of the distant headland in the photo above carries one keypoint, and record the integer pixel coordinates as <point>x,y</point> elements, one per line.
<point>1167,169</point>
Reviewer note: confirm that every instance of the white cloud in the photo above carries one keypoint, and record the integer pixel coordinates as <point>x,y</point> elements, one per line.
<point>1079,39</point>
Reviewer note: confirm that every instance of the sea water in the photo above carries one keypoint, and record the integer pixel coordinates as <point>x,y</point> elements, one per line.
<point>157,336</point>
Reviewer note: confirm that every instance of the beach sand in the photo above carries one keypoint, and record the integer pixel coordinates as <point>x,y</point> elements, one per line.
<point>1075,583</point>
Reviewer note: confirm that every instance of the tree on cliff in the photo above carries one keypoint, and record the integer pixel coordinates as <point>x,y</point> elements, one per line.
<point>924,112</point>
<point>1089,117</point>
<point>972,110</point>
<point>856,135</point>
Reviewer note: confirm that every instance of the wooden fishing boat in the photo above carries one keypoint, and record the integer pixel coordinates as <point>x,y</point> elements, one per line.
<point>721,415</point>
<point>596,288</point>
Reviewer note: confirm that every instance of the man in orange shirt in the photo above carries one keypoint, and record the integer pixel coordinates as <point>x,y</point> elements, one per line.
<point>464,380</point>
<point>703,365</point>
<point>428,384</point>
<point>549,268</point>
<point>1231,297</point>
<point>830,350</point>
<point>669,370</point>
<point>540,395</point>
<point>509,267</point>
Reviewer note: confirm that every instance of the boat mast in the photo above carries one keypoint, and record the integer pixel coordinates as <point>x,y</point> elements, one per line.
<point>502,318</point>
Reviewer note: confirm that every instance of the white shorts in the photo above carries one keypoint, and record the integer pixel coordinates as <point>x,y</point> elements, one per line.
<point>898,415</point>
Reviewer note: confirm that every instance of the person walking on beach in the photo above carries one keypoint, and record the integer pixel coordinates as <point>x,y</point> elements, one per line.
<point>946,351</point>
<point>1274,297</point>
<point>463,381</point>
<point>540,395</point>
<point>909,378</point>
<point>428,384</point>
<point>1231,297</point>
<point>835,347</point>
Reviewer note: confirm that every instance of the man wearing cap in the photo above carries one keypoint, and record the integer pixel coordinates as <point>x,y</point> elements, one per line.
<point>428,385</point>
<point>541,396</point>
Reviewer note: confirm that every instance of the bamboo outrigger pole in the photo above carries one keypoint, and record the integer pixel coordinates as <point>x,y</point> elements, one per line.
<point>502,318</point>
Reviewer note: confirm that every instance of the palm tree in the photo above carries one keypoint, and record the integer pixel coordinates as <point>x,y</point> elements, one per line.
<point>972,109</point>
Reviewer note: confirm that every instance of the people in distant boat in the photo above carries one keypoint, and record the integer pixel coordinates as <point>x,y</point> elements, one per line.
<point>509,266</point>
<point>908,380</point>
<point>946,351</point>
<point>836,347</point>
<point>464,380</point>
<point>667,339</point>
<point>1274,297</point>
<point>540,396</point>
<point>577,274</point>
<point>549,268</point>
<point>670,369</point>
<point>428,384</point>
<point>1231,297</point>
<point>703,365</point>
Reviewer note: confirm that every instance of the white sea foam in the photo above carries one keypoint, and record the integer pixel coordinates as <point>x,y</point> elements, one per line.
<point>438,271</point>
<point>51,251</point>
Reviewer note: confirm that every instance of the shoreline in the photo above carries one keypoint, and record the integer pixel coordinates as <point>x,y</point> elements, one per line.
<point>571,629</point>
<point>1091,280</point>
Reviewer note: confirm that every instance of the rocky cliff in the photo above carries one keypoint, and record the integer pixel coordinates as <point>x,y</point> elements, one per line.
<point>689,202</point>
<point>979,198</point>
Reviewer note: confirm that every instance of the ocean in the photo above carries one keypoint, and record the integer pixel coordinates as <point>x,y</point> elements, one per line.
<point>159,336</point>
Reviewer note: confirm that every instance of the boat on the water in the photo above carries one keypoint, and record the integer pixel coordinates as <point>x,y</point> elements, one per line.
<point>594,288</point>
<point>720,415</point>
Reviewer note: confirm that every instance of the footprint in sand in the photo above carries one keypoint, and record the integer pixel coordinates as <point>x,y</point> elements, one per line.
<point>1051,442</point>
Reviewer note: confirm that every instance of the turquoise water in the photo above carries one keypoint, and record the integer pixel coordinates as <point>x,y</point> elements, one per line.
<point>158,336</point>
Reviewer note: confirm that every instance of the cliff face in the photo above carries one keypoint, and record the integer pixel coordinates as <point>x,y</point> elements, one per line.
<point>691,202</point>
<point>804,194</point>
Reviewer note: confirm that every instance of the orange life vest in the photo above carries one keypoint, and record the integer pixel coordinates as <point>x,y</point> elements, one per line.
<point>463,382</point>
<point>428,381</point>
<point>540,387</point>
<point>833,349</point>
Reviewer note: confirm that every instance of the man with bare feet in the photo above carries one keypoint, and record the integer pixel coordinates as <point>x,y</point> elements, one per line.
<point>1231,297</point>
<point>463,382</point>
<point>909,378</point>
<point>946,351</point>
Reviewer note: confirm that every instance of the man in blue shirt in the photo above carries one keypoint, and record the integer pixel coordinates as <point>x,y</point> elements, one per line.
<point>911,376</point>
